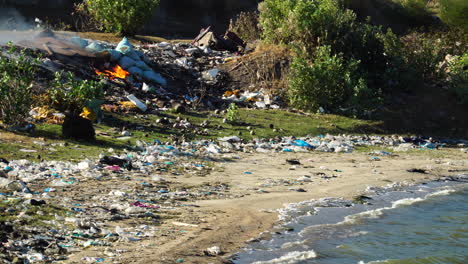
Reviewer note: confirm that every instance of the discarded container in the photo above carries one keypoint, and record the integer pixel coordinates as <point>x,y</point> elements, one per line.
<point>213,251</point>
<point>137,102</point>
<point>211,74</point>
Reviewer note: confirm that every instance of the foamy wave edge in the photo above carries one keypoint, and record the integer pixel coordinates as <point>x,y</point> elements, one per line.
<point>291,258</point>
<point>441,193</point>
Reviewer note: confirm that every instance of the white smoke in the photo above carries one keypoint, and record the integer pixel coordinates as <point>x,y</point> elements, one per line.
<point>14,27</point>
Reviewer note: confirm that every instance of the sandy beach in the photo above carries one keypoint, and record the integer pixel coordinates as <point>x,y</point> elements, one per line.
<point>259,185</point>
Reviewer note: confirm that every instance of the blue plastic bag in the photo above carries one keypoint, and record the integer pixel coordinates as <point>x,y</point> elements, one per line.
<point>301,143</point>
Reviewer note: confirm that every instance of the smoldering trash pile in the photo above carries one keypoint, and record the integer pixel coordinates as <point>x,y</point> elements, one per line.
<point>157,76</point>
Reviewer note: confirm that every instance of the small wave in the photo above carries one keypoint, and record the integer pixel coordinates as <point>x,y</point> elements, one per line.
<point>356,218</point>
<point>293,244</point>
<point>406,201</point>
<point>443,192</point>
<point>291,258</point>
<point>373,262</point>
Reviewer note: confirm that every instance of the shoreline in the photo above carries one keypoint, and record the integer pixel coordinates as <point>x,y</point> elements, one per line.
<point>231,223</point>
<point>300,219</point>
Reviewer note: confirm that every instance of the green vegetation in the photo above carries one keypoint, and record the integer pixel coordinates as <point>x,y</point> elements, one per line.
<point>454,13</point>
<point>124,17</point>
<point>15,86</point>
<point>341,62</point>
<point>458,74</point>
<point>336,55</point>
<point>327,82</point>
<point>70,95</point>
<point>414,8</point>
<point>49,144</point>
<point>246,26</point>
<point>232,113</point>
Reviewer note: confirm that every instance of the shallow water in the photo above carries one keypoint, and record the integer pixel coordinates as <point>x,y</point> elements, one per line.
<point>419,225</point>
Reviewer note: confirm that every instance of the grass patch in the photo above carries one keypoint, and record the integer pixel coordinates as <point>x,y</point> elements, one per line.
<point>49,145</point>
<point>35,215</point>
<point>137,40</point>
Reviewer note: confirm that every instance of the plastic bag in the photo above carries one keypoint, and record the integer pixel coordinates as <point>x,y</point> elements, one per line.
<point>124,46</point>
<point>82,43</point>
<point>94,47</point>
<point>154,77</point>
<point>126,62</point>
<point>136,71</point>
<point>114,55</point>
<point>142,65</point>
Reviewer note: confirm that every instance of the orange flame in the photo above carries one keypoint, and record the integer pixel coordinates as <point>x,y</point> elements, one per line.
<point>116,72</point>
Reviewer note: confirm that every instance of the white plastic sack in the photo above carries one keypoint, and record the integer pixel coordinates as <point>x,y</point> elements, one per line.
<point>124,46</point>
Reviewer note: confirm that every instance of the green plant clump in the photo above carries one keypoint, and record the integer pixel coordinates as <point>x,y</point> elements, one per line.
<point>16,86</point>
<point>414,8</point>
<point>71,95</point>
<point>124,17</point>
<point>246,26</point>
<point>454,13</point>
<point>232,113</point>
<point>458,77</point>
<point>326,81</point>
<point>327,76</point>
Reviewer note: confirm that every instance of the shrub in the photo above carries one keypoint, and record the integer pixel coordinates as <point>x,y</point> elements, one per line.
<point>246,26</point>
<point>458,77</point>
<point>307,24</point>
<point>414,8</point>
<point>71,95</point>
<point>304,23</point>
<point>232,113</point>
<point>274,15</point>
<point>423,54</point>
<point>454,12</point>
<point>83,20</point>
<point>16,86</point>
<point>122,16</point>
<point>325,81</point>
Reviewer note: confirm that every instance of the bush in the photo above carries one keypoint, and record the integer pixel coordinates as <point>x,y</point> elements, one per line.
<point>414,8</point>
<point>70,95</point>
<point>122,16</point>
<point>16,86</point>
<point>308,24</point>
<point>304,23</point>
<point>246,26</point>
<point>325,81</point>
<point>423,53</point>
<point>83,20</point>
<point>458,77</point>
<point>454,13</point>
<point>418,58</point>
<point>232,113</point>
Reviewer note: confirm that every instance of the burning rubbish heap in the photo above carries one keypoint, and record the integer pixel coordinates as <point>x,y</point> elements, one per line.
<point>148,77</point>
